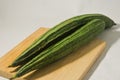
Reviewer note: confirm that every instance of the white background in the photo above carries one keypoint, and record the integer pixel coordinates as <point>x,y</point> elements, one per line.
<point>19,18</point>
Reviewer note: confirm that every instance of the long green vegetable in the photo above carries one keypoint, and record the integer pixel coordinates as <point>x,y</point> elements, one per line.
<point>61,40</point>
<point>64,47</point>
<point>58,33</point>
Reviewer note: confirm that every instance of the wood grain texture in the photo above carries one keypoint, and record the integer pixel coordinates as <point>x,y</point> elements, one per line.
<point>73,67</point>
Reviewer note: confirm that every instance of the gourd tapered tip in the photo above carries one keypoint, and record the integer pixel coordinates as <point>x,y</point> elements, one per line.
<point>115,23</point>
<point>13,77</point>
<point>10,66</point>
<point>14,64</point>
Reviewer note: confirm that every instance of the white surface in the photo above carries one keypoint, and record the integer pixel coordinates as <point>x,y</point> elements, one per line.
<point>19,18</point>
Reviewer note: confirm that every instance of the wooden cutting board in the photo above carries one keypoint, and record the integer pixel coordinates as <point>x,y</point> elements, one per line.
<point>73,67</point>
